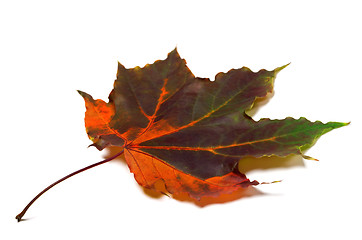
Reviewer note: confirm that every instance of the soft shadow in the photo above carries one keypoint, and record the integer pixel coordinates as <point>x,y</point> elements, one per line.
<point>259,103</point>
<point>204,201</point>
<point>223,198</point>
<point>26,219</point>
<point>113,150</point>
<point>248,164</point>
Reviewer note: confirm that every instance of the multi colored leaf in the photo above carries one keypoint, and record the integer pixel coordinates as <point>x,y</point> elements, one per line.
<point>190,133</point>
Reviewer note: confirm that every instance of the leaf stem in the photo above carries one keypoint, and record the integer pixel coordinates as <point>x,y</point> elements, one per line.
<point>20,215</point>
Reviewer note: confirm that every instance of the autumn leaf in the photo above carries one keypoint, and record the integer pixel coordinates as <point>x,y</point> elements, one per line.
<point>190,133</point>
<point>186,135</point>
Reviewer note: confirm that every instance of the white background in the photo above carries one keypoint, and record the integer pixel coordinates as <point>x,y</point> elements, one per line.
<point>48,50</point>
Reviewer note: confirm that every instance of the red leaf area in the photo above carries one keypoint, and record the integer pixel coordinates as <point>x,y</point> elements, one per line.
<point>185,135</point>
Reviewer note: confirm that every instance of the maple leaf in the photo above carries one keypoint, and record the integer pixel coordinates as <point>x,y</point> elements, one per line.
<point>189,132</point>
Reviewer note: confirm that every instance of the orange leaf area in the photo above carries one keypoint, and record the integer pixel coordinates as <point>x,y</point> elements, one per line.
<point>148,171</point>
<point>98,115</point>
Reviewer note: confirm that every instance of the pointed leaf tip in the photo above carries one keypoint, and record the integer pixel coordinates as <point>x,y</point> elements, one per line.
<point>174,52</point>
<point>85,95</point>
<point>278,69</point>
<point>335,125</point>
